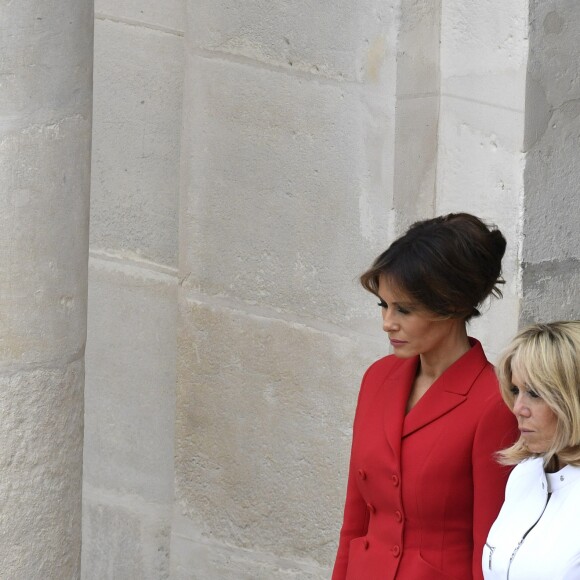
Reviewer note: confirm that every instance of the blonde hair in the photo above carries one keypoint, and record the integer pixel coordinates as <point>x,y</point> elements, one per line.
<point>547,356</point>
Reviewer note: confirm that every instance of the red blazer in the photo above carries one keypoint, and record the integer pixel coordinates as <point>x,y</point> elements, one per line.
<point>424,487</point>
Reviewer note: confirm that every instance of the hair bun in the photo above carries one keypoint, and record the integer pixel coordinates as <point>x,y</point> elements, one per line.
<point>449,264</point>
<point>498,244</point>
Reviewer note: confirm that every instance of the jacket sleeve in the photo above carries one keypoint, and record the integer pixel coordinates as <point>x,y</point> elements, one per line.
<point>573,571</point>
<point>355,520</point>
<point>497,429</point>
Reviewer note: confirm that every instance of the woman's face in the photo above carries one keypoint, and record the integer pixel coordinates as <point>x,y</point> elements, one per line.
<point>412,329</point>
<point>536,420</point>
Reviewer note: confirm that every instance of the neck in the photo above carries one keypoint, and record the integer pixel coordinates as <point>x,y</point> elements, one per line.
<point>434,364</point>
<point>555,464</point>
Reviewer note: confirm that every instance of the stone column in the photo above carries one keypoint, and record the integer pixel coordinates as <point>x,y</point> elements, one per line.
<point>417,112</point>
<point>483,60</point>
<point>551,235</point>
<point>45,130</point>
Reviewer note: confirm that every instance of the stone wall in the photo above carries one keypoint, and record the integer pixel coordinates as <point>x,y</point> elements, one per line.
<point>310,135</point>
<point>285,197</point>
<point>130,389</point>
<point>551,231</point>
<point>480,159</point>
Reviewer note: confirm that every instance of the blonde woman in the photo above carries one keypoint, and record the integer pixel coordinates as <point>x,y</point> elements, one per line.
<point>537,532</point>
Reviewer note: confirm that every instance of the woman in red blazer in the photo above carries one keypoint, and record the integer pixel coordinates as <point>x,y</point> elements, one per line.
<point>424,486</point>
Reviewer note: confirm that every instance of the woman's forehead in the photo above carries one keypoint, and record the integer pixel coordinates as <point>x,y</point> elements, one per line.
<point>518,369</point>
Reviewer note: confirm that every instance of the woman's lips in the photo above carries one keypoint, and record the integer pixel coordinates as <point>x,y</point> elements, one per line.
<point>395,342</point>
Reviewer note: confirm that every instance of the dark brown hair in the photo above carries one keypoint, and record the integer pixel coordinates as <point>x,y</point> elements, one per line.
<point>449,264</point>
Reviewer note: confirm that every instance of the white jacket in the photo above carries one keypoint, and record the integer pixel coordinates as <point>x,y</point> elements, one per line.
<point>546,529</point>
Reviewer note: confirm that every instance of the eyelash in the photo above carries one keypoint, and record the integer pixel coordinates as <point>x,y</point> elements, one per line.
<point>399,309</point>
<point>514,391</point>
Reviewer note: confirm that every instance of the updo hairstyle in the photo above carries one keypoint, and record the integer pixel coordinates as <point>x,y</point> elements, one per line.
<point>547,358</point>
<point>449,264</point>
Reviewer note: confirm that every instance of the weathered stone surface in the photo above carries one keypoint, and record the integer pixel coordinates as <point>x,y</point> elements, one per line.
<point>262,433</point>
<point>480,136</point>
<point>415,160</point>
<point>44,170</point>
<point>168,14</point>
<point>131,362</point>
<point>46,65</point>
<point>124,540</point>
<point>130,387</point>
<point>484,51</point>
<point>551,235</point>
<point>274,179</point>
<point>324,38</point>
<point>479,173</point>
<point>552,196</point>
<point>311,136</point>
<point>135,173</point>
<point>418,48</point>
<point>551,291</point>
<point>554,39</point>
<point>130,416</point>
<point>417,112</point>
<point>551,222</point>
<point>45,124</point>
<point>197,558</point>
<point>41,450</point>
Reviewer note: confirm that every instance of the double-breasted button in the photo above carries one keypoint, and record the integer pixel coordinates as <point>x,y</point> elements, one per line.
<point>395,479</point>
<point>398,516</point>
<point>396,551</point>
<point>372,509</point>
<point>362,474</point>
<point>366,544</point>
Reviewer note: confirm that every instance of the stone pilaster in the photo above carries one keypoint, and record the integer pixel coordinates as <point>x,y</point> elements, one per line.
<point>45,132</point>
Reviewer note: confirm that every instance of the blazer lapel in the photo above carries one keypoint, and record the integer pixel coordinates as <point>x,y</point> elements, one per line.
<point>396,389</point>
<point>448,391</point>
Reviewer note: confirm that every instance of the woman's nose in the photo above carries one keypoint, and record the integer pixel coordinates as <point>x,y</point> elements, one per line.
<point>520,408</point>
<point>388,322</point>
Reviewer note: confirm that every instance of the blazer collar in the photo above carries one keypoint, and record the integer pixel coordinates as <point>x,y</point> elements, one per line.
<point>397,387</point>
<point>448,391</point>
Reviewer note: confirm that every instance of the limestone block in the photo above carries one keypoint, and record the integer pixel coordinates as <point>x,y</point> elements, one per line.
<point>168,14</point>
<point>137,123</point>
<point>498,322</point>
<point>484,50</point>
<point>123,542</point>
<point>280,177</point>
<point>336,40</point>
<point>552,196</point>
<point>480,173</point>
<point>44,170</point>
<point>41,459</point>
<point>264,411</point>
<point>46,65</point>
<point>196,558</point>
<point>415,159</point>
<point>500,127</point>
<point>130,382</point>
<point>418,47</point>
<point>554,41</point>
<point>551,291</point>
<point>551,237</point>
